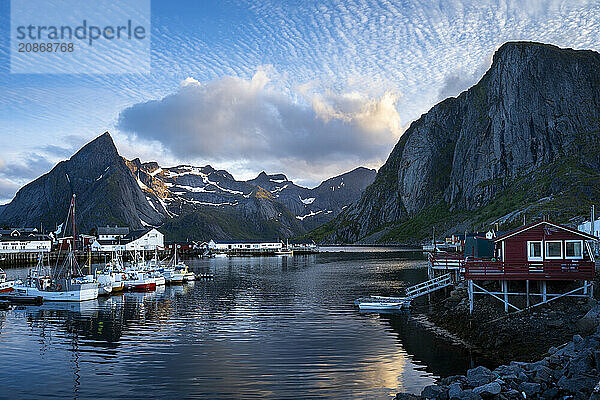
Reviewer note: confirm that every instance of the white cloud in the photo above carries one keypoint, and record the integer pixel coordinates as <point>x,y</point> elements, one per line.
<point>254,122</point>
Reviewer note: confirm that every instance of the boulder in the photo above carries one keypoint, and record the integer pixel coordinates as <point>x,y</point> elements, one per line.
<point>586,325</point>
<point>542,374</point>
<point>454,390</point>
<point>577,384</point>
<point>488,390</point>
<point>530,389</point>
<point>577,342</point>
<point>550,394</point>
<point>468,395</point>
<point>434,392</point>
<point>479,376</point>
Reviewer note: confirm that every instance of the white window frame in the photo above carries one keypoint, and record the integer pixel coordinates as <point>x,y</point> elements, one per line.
<point>547,242</point>
<point>574,257</point>
<point>529,256</point>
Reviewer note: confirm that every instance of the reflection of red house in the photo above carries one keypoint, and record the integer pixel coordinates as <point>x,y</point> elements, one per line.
<point>540,251</point>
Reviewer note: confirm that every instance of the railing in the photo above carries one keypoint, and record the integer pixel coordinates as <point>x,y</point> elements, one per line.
<point>547,270</point>
<point>428,286</point>
<point>447,261</point>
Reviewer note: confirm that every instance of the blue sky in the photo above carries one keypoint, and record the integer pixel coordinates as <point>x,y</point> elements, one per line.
<point>307,88</point>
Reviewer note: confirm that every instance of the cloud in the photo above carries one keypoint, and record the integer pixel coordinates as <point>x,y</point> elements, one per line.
<point>7,190</point>
<point>257,122</point>
<point>32,166</point>
<point>462,79</point>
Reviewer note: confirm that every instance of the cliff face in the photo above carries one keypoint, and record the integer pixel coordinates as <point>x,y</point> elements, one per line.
<point>537,108</point>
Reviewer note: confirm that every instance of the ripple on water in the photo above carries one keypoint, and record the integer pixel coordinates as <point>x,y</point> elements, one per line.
<point>271,327</point>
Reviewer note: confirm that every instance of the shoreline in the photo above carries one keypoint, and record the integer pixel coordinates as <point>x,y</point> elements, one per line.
<point>546,353</point>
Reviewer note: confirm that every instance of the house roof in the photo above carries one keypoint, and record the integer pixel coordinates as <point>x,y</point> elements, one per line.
<point>113,230</point>
<point>245,241</point>
<point>527,227</point>
<point>25,238</point>
<point>134,235</point>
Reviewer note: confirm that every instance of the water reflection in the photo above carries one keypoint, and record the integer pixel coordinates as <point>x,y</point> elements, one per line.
<point>265,327</point>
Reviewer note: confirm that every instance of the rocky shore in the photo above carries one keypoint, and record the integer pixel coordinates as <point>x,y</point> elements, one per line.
<point>568,371</point>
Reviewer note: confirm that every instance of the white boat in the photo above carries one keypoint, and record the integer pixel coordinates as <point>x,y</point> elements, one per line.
<point>65,284</point>
<point>376,303</point>
<point>221,255</point>
<point>106,282</point>
<point>284,253</point>
<point>172,276</point>
<point>64,290</point>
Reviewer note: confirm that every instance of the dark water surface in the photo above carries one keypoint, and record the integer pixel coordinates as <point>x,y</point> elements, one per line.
<point>264,328</point>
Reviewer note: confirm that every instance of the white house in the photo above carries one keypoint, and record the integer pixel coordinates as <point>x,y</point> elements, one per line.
<point>244,245</point>
<point>145,239</point>
<point>24,240</point>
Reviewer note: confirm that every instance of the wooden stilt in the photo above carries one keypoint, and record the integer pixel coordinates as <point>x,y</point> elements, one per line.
<point>505,291</point>
<point>470,289</point>
<point>527,291</point>
<point>544,292</point>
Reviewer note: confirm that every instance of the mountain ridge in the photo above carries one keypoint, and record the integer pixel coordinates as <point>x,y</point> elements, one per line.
<point>113,190</point>
<point>527,131</point>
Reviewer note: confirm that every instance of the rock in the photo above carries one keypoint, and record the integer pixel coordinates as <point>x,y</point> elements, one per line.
<point>577,384</point>
<point>468,395</point>
<point>479,376</point>
<point>551,393</point>
<point>406,396</point>
<point>513,394</point>
<point>552,350</point>
<point>490,389</point>
<point>542,374</point>
<point>434,392</point>
<point>577,342</point>
<point>530,389</point>
<point>582,364</point>
<point>454,390</point>
<point>586,325</point>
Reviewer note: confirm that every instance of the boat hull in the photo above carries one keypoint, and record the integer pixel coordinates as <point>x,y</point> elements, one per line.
<point>81,292</point>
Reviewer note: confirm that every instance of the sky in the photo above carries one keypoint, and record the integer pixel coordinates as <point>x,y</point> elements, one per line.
<point>311,89</point>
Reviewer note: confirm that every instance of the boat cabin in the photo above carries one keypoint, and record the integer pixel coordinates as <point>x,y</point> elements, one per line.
<point>540,251</point>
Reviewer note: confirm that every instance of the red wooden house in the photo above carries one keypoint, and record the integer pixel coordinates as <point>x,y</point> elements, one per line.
<point>541,252</point>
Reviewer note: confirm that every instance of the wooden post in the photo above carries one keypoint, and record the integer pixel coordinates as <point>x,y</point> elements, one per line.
<point>527,291</point>
<point>470,289</point>
<point>505,291</point>
<point>544,292</point>
<point>585,287</point>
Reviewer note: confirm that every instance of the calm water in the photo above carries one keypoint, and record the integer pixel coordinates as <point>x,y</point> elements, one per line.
<point>265,327</point>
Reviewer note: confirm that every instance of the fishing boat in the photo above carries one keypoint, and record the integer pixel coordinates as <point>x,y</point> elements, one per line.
<point>284,253</point>
<point>381,303</point>
<point>63,283</point>
<point>139,281</point>
<point>5,285</point>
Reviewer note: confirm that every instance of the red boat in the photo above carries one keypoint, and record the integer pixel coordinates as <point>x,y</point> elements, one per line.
<point>5,286</point>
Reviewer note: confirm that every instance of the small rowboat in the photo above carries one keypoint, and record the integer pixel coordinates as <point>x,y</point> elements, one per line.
<point>381,303</point>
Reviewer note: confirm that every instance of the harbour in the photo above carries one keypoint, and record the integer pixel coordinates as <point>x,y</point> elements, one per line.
<point>262,327</point>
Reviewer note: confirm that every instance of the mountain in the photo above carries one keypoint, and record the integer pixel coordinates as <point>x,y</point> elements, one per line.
<point>185,201</point>
<point>523,142</point>
<point>107,193</point>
